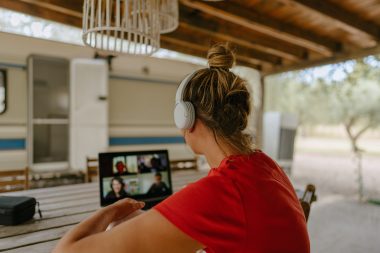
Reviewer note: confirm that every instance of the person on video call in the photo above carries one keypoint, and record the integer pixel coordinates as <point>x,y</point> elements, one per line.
<point>143,168</point>
<point>117,191</point>
<point>158,188</point>
<point>121,169</point>
<point>246,204</point>
<point>155,164</point>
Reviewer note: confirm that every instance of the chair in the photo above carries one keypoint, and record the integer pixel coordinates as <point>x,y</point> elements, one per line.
<point>185,164</point>
<point>307,199</point>
<point>14,180</point>
<point>92,169</point>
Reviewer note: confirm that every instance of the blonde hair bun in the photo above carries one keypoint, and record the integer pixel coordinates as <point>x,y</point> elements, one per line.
<point>220,56</point>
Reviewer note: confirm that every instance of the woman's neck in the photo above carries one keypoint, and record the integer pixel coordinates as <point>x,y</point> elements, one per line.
<point>216,153</point>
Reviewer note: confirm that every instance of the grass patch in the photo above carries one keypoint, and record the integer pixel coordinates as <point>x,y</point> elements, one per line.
<point>374,202</point>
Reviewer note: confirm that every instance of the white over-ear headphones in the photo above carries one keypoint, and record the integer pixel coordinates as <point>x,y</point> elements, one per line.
<point>184,112</point>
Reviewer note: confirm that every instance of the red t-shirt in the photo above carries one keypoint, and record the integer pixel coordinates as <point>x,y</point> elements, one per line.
<point>247,204</point>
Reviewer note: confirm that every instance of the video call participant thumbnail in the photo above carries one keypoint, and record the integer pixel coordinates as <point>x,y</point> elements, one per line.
<point>117,191</point>
<point>158,188</point>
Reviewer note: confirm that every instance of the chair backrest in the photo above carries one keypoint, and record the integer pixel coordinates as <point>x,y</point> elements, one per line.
<point>185,164</point>
<point>14,180</point>
<point>307,199</point>
<point>92,169</point>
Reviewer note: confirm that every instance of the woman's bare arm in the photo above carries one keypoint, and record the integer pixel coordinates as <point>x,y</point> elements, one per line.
<point>148,232</point>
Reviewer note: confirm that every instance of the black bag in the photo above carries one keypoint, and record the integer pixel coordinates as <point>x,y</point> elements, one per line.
<point>16,210</point>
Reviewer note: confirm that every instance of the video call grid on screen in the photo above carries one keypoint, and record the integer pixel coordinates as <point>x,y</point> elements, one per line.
<point>139,175</point>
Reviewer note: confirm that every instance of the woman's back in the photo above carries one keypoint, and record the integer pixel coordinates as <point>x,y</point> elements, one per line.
<point>247,204</point>
<point>274,217</point>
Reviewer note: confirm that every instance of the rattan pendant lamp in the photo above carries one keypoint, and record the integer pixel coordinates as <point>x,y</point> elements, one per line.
<point>122,26</point>
<point>168,15</point>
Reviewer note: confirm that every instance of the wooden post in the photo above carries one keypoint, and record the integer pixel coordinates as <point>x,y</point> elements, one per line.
<point>26,178</point>
<point>260,115</point>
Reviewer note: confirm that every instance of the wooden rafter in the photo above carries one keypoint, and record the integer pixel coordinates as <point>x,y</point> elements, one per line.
<point>35,10</point>
<point>339,57</point>
<point>345,17</point>
<point>240,35</point>
<point>70,7</point>
<point>205,39</point>
<point>270,27</point>
<point>197,50</point>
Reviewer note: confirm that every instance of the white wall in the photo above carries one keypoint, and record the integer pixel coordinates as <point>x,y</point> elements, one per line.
<point>140,103</point>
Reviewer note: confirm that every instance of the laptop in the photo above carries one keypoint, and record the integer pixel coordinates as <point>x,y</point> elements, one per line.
<point>141,175</point>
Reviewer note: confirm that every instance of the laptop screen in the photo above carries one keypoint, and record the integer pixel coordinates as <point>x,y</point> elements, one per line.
<point>141,175</point>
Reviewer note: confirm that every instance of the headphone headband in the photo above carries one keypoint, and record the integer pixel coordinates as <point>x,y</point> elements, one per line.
<point>184,113</point>
<point>182,86</point>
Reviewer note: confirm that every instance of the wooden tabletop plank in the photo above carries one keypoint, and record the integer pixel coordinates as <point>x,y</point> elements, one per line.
<point>71,197</point>
<point>70,204</point>
<point>69,211</point>
<point>43,247</point>
<point>49,190</point>
<point>34,238</point>
<point>47,195</point>
<point>38,225</point>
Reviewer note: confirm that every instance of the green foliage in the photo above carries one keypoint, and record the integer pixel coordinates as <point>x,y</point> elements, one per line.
<point>345,93</point>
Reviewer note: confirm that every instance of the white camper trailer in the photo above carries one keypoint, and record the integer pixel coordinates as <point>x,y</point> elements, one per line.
<point>136,99</point>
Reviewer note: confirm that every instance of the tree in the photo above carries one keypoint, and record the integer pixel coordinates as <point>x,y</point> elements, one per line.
<point>347,93</point>
<point>355,103</point>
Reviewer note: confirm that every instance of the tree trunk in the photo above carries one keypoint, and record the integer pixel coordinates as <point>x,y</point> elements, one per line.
<point>357,155</point>
<point>359,170</point>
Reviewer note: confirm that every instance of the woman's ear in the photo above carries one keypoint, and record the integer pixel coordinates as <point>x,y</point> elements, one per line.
<point>195,125</point>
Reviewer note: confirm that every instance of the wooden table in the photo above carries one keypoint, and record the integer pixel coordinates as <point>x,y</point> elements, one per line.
<point>62,207</point>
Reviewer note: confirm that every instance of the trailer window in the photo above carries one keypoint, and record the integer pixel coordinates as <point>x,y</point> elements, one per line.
<point>3,90</point>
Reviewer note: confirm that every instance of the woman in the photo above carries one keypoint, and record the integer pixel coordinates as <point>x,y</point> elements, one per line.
<point>245,204</point>
<point>117,191</point>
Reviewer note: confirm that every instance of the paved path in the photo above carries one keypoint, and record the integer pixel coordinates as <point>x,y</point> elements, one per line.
<point>338,222</point>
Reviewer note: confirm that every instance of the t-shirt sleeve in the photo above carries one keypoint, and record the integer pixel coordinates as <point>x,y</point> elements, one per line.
<point>210,211</point>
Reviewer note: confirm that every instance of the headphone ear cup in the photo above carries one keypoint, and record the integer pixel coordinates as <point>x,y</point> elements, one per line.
<point>184,115</point>
<point>190,115</point>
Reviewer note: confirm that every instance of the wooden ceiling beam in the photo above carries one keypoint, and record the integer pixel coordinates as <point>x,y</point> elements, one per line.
<point>273,28</point>
<point>339,14</point>
<point>340,57</point>
<point>69,7</point>
<point>240,35</point>
<point>205,39</point>
<point>197,50</point>
<point>37,11</point>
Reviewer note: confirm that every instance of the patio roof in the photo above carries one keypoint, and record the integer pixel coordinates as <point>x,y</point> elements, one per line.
<point>271,36</point>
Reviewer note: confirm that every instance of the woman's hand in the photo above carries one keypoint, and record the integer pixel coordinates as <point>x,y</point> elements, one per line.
<point>123,208</point>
